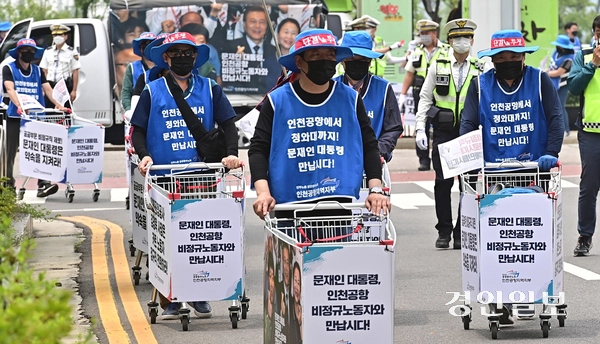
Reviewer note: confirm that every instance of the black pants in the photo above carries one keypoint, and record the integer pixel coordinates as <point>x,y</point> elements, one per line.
<point>13,126</point>
<point>423,154</point>
<point>442,190</point>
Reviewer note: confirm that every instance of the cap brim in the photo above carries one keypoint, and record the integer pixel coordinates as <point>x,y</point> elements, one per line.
<point>289,62</point>
<point>137,43</point>
<point>368,53</point>
<point>492,52</point>
<point>5,27</point>
<point>564,46</point>
<point>157,52</point>
<point>148,50</point>
<point>39,52</point>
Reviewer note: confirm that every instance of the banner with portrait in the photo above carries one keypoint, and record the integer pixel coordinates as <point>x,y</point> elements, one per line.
<point>243,56</point>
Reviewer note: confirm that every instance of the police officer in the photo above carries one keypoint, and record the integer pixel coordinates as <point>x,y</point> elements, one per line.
<point>22,76</point>
<point>511,82</point>
<point>442,100</point>
<point>430,49</point>
<point>369,24</point>
<point>137,68</point>
<point>180,55</point>
<point>61,61</point>
<point>377,94</point>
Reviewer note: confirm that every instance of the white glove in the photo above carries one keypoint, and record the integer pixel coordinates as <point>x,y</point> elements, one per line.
<point>402,100</point>
<point>421,140</point>
<point>396,45</point>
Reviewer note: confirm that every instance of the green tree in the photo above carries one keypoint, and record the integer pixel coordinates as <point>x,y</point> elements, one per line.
<point>36,9</point>
<point>435,10</point>
<point>85,7</point>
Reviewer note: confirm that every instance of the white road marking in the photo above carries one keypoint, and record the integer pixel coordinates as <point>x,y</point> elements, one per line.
<point>30,197</point>
<point>86,209</point>
<point>411,200</point>
<point>118,194</point>
<point>581,272</point>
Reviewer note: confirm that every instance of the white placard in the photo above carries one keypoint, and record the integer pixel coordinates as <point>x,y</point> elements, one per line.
<point>348,294</point>
<point>159,226</point>
<point>558,245</point>
<point>137,209</point>
<point>60,92</point>
<point>469,209</point>
<point>463,154</point>
<point>29,103</point>
<point>86,154</point>
<point>42,154</point>
<point>206,249</point>
<point>516,233</point>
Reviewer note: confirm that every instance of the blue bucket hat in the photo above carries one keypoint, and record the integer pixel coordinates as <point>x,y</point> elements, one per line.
<point>144,37</point>
<point>158,40</point>
<point>507,40</point>
<point>361,43</point>
<point>311,39</point>
<point>179,38</point>
<point>5,26</point>
<point>26,42</point>
<point>563,41</point>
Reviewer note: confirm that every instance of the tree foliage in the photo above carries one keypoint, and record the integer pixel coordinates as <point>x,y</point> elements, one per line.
<point>87,8</point>
<point>581,12</point>
<point>36,9</point>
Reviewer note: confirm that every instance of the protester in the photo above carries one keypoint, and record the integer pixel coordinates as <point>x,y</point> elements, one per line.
<point>562,61</point>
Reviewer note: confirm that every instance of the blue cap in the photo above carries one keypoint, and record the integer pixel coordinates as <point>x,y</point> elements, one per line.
<point>507,40</point>
<point>26,42</point>
<point>5,26</point>
<point>361,43</point>
<point>146,37</point>
<point>158,40</point>
<point>563,41</point>
<point>179,38</point>
<point>313,39</point>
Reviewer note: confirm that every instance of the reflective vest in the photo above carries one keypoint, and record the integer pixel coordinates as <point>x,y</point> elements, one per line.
<point>137,69</point>
<point>419,58</point>
<point>378,65</point>
<point>556,62</point>
<point>26,84</point>
<point>445,93</point>
<point>591,113</point>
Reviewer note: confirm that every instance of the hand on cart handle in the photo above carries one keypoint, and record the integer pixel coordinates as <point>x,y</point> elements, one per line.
<point>19,110</point>
<point>232,162</point>
<point>377,203</point>
<point>144,165</point>
<point>547,162</point>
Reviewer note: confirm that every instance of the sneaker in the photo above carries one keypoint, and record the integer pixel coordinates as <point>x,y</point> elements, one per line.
<point>506,317</point>
<point>202,309</point>
<point>584,245</point>
<point>442,242</point>
<point>524,312</point>
<point>171,312</point>
<point>47,190</point>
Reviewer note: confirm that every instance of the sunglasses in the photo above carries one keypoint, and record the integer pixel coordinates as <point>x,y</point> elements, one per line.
<point>180,53</point>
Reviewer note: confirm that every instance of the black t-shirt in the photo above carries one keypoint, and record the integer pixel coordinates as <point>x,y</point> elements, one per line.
<point>260,146</point>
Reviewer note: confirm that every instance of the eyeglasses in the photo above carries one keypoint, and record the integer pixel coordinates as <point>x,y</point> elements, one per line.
<point>180,53</point>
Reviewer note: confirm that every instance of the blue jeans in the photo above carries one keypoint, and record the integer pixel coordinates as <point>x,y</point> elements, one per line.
<point>563,92</point>
<point>589,151</point>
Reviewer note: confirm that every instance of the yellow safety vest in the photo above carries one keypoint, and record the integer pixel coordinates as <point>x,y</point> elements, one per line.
<point>454,100</point>
<point>378,65</point>
<point>419,59</point>
<point>591,114</point>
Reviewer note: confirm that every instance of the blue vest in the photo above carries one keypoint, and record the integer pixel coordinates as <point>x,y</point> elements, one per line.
<point>137,69</point>
<point>514,124</point>
<point>168,139</point>
<point>30,85</point>
<point>316,150</point>
<point>556,62</point>
<point>374,100</point>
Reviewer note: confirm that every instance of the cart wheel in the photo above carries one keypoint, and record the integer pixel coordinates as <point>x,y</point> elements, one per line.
<point>153,315</point>
<point>136,277</point>
<point>545,328</point>
<point>127,203</point>
<point>70,197</point>
<point>21,194</point>
<point>132,250</point>
<point>466,319</point>
<point>95,197</point>
<point>494,330</point>
<point>234,320</point>
<point>147,276</point>
<point>244,310</point>
<point>561,320</point>
<point>185,321</point>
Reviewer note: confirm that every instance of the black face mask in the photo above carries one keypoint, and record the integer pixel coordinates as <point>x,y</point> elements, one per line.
<point>357,69</point>
<point>320,71</point>
<point>182,65</point>
<point>27,56</point>
<point>575,33</point>
<point>509,70</point>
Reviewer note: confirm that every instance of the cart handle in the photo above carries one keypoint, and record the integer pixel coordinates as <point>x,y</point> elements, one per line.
<point>181,167</point>
<point>516,164</point>
<point>324,205</point>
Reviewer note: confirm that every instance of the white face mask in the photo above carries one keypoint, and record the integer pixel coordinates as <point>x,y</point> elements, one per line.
<point>58,40</point>
<point>461,44</point>
<point>426,39</point>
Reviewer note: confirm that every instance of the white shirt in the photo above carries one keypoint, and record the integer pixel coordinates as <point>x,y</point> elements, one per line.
<point>426,96</point>
<point>251,44</point>
<point>60,63</point>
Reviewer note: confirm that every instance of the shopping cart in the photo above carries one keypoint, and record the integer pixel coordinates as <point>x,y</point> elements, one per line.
<point>61,147</point>
<point>196,237</point>
<point>138,218</point>
<point>346,287</point>
<point>512,242</point>
<point>386,182</point>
